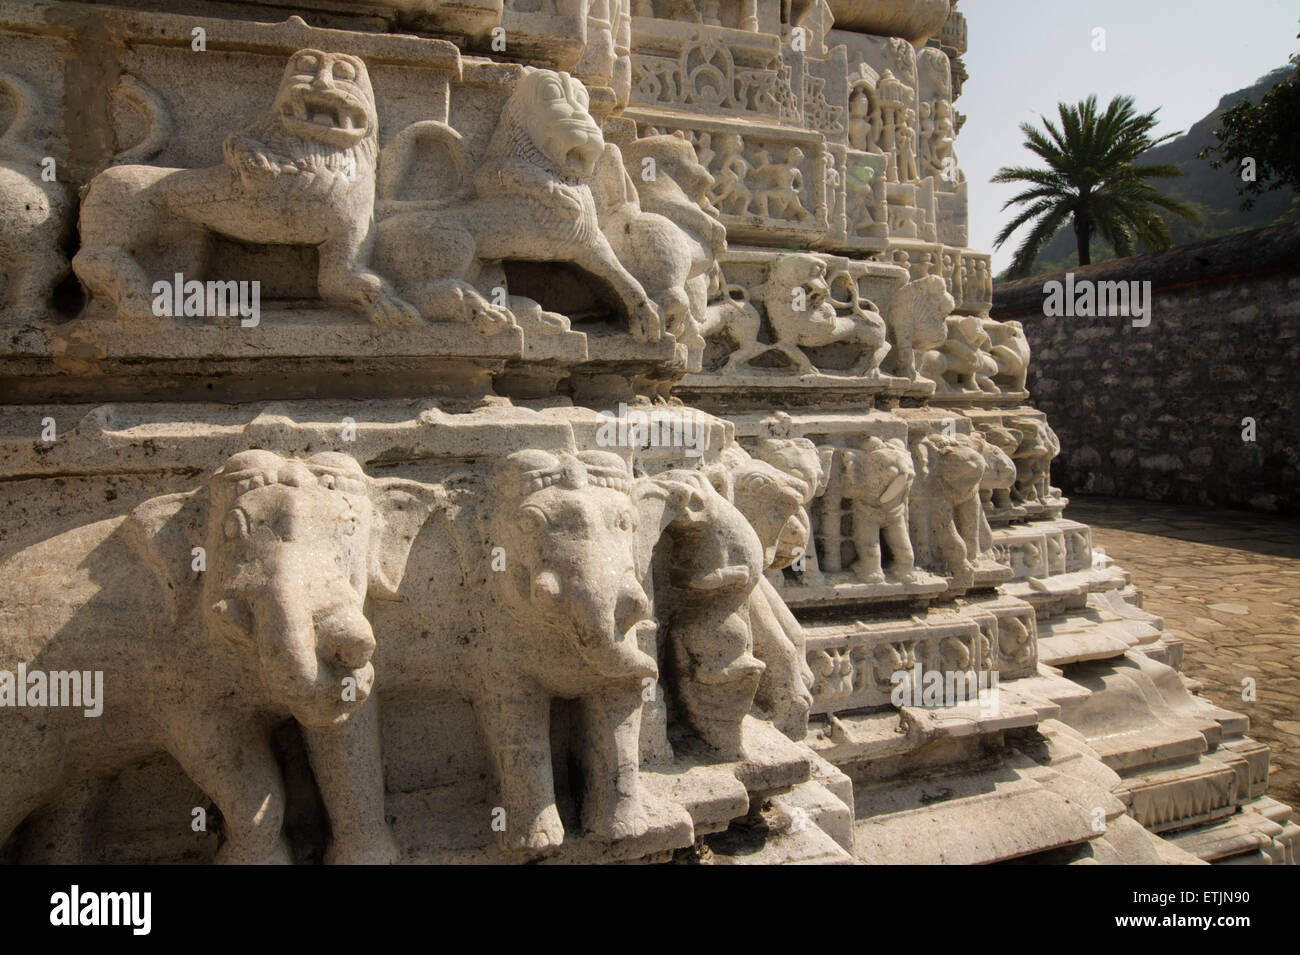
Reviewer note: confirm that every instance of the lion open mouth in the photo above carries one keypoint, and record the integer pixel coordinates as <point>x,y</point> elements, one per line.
<point>326,116</point>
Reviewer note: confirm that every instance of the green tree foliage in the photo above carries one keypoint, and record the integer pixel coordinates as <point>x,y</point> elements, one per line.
<point>1092,181</point>
<point>1262,137</point>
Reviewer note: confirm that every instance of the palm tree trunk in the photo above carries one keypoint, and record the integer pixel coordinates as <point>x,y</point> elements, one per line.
<point>1083,238</point>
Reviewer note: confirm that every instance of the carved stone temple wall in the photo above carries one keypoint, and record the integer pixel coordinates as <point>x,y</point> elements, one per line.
<point>563,429</point>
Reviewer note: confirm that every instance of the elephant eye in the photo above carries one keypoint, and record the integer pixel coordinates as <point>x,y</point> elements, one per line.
<point>533,519</point>
<point>350,526</point>
<point>343,70</point>
<point>625,521</point>
<point>236,525</point>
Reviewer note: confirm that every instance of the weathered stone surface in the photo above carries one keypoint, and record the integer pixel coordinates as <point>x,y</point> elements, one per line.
<point>568,432</point>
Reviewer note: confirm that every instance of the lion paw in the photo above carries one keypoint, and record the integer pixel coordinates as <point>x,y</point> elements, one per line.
<point>645,323</point>
<point>486,318</point>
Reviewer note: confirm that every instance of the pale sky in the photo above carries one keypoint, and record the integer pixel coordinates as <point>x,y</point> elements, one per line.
<point>1027,55</point>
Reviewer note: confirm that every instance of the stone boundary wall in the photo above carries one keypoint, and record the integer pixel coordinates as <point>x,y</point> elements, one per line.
<point>1158,412</point>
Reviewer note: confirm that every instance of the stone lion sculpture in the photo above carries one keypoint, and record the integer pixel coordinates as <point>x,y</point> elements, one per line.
<point>652,202</point>
<point>949,471</point>
<point>916,316</point>
<point>35,212</point>
<point>716,563</point>
<point>304,174</point>
<point>962,363</point>
<point>1009,349</point>
<point>774,501</point>
<point>202,664</point>
<point>877,480</point>
<point>801,315</point>
<point>530,199</point>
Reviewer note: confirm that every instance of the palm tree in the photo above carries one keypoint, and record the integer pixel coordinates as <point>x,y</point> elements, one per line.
<point>1091,178</point>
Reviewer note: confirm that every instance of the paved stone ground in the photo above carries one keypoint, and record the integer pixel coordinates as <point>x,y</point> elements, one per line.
<point>1228,583</point>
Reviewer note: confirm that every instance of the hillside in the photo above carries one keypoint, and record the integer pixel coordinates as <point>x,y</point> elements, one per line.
<point>1212,191</point>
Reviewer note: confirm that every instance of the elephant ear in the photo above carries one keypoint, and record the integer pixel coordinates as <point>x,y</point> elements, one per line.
<point>400,509</point>
<point>164,531</point>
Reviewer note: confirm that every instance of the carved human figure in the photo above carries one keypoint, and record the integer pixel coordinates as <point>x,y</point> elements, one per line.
<point>906,138</point>
<point>202,664</point>
<point>859,201</point>
<point>530,199</point>
<point>949,471</point>
<point>877,481</point>
<point>302,175</point>
<point>863,131</point>
<point>796,297</point>
<point>778,196</point>
<point>730,193</point>
<point>34,208</point>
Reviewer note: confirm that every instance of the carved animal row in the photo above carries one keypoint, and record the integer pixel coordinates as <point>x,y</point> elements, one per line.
<point>924,507</point>
<point>309,172</point>
<point>322,583</point>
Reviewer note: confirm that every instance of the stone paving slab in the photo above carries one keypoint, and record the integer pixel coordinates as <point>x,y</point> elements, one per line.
<point>1228,583</point>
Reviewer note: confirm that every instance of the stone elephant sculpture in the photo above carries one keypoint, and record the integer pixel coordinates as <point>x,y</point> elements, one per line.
<point>550,606</point>
<point>1033,456</point>
<point>949,471</point>
<point>203,651</point>
<point>878,479</point>
<point>999,475</point>
<point>35,213</point>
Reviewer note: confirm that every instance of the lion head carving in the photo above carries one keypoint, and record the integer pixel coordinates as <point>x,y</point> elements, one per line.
<point>548,112</point>
<point>323,116</point>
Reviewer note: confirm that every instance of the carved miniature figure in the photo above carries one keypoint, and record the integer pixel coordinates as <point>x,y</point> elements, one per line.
<point>779,196</point>
<point>201,664</point>
<point>302,175</point>
<point>531,199</point>
<point>774,501</point>
<point>801,315</point>
<point>729,193</point>
<point>34,208</point>
<point>906,138</point>
<point>716,564</point>
<point>999,476</point>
